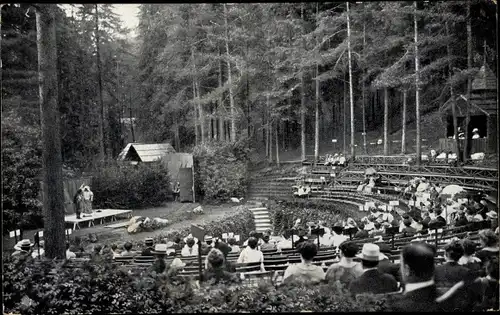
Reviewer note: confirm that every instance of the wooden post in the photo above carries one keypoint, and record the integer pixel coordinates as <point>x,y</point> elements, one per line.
<point>386,121</point>
<point>403,123</point>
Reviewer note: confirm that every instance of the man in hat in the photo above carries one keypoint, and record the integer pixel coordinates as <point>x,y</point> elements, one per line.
<point>207,245</point>
<point>24,249</point>
<point>149,242</point>
<point>493,217</point>
<point>372,280</point>
<point>160,252</point>
<point>408,230</point>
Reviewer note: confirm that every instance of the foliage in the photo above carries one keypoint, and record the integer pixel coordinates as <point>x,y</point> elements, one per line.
<point>221,170</point>
<point>100,287</point>
<point>21,170</point>
<point>118,185</point>
<point>284,213</point>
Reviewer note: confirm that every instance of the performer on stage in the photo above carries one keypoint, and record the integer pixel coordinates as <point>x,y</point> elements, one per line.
<point>78,201</point>
<point>88,197</point>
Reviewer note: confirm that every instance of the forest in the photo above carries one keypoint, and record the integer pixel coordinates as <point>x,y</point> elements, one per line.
<point>276,75</point>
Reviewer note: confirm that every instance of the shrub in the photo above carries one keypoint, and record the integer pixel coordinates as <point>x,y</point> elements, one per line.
<point>221,170</point>
<point>127,186</point>
<point>284,213</point>
<point>21,168</point>
<point>101,287</point>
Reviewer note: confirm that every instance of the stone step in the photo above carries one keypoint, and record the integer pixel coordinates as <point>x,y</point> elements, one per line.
<point>260,213</point>
<point>261,216</point>
<point>258,209</point>
<point>262,221</point>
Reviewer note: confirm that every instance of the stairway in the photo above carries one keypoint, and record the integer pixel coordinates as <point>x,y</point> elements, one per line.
<point>261,218</point>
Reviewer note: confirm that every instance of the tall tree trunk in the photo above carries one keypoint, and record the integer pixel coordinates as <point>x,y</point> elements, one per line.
<point>102,147</point>
<point>201,117</point>
<point>177,138</point>
<point>363,83</point>
<point>417,89</point>
<point>316,112</point>
<point>53,203</point>
<point>452,96</point>
<point>277,143</point>
<point>302,105</point>
<point>195,112</point>
<point>229,80</point>
<point>247,96</point>
<point>386,121</point>
<point>403,123</point>
<point>469,85</point>
<point>344,106</point>
<point>221,102</point>
<point>131,117</point>
<point>351,96</point>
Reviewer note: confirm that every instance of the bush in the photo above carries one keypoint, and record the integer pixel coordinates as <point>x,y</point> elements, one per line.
<point>100,287</point>
<point>21,168</point>
<point>284,213</point>
<point>221,170</point>
<point>128,186</point>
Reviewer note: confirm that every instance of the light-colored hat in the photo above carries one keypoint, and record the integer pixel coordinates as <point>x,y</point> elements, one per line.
<point>370,252</point>
<point>160,249</point>
<point>170,244</point>
<point>208,238</point>
<point>149,240</point>
<point>492,214</point>
<point>475,130</point>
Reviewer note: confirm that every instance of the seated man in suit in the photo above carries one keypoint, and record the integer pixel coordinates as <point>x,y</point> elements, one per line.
<point>450,273</point>
<point>372,280</point>
<point>420,293</point>
<point>408,230</point>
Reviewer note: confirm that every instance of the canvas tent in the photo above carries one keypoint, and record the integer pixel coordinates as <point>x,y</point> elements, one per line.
<point>180,165</point>
<point>140,152</point>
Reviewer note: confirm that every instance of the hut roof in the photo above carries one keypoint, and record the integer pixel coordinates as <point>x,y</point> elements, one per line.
<point>461,107</point>
<point>485,80</point>
<point>145,152</point>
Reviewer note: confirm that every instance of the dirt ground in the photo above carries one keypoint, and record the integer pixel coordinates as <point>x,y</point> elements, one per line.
<point>120,235</point>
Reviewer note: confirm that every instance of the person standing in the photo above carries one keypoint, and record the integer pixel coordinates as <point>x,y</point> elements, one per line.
<point>78,201</point>
<point>177,191</point>
<point>88,197</point>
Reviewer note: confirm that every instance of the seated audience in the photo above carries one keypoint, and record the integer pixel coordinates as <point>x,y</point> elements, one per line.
<point>115,251</point>
<point>225,249</point>
<point>302,237</point>
<point>361,233</point>
<point>254,235</point>
<point>450,273</point>
<point>489,242</point>
<point>190,249</point>
<point>337,236</point>
<point>417,271</point>
<point>69,254</point>
<point>216,272</point>
<point>149,242</point>
<point>305,270</point>
<point>346,269</point>
<point>461,220</point>
<point>160,252</point>
<point>25,247</point>
<point>372,280</point>
<point>468,259</point>
<point>177,243</point>
<point>285,242</point>
<point>207,245</point>
<point>486,297</point>
<point>408,230</point>
<point>386,265</point>
<point>127,250</point>
<point>42,251</point>
<point>251,254</point>
<point>234,247</point>
<point>267,245</point>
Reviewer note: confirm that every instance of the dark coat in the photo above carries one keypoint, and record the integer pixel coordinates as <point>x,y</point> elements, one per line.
<point>450,273</point>
<point>373,281</point>
<point>361,234</point>
<point>409,231</point>
<point>485,256</point>
<point>386,266</point>
<point>421,300</point>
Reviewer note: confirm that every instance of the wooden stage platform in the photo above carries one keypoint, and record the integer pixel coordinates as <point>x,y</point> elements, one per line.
<point>100,217</point>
